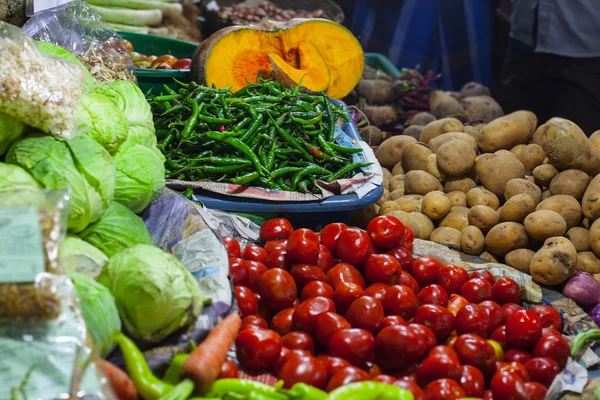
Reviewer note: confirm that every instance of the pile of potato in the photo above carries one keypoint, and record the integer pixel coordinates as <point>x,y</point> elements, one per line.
<point>506,191</point>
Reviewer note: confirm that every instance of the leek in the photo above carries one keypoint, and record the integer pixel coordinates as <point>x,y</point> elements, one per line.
<point>126,16</point>
<point>129,28</point>
<point>138,4</point>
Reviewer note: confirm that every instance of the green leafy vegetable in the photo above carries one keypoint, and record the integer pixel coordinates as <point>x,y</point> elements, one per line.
<point>77,255</point>
<point>10,130</point>
<point>17,186</point>
<point>132,17</point>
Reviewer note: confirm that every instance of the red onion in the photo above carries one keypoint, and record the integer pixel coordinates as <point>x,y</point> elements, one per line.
<point>583,289</point>
<point>595,314</point>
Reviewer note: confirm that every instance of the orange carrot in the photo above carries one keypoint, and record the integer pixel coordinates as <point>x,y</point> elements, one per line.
<point>119,381</point>
<point>204,364</point>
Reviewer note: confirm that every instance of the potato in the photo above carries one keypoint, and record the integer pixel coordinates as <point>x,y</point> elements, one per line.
<point>517,208</point>
<point>410,203</point>
<point>413,131</point>
<point>420,182</point>
<point>438,127</point>
<point>506,237</point>
<point>505,153</point>
<point>591,200</point>
<point>483,217</point>
<point>436,205</point>
<point>454,158</point>
<point>567,206</point>
<point>495,171</point>
<point>472,240</point>
<point>425,225</point>
<point>408,221</point>
<point>516,151</point>
<point>414,157</point>
<point>572,182</point>
<point>543,174</point>
<point>372,135</point>
<point>383,198</point>
<point>457,218</point>
<point>443,105</point>
<point>544,224</point>
<point>482,108</point>
<point>519,259</point>
<point>388,207</point>
<point>398,170</point>
<point>488,257</point>
<point>522,186</point>
<point>447,236</point>
<point>481,196</point>
<point>546,195</point>
<point>471,89</point>
<point>580,237</point>
<point>531,156</point>
<point>436,143</point>
<point>457,198</point>
<point>389,152</point>
<point>397,182</point>
<point>507,132</point>
<point>585,223</point>
<point>587,262</point>
<point>595,237</point>
<point>463,184</point>
<point>595,139</point>
<point>474,130</point>
<point>431,166</point>
<point>422,118</point>
<point>396,194</point>
<point>554,262</point>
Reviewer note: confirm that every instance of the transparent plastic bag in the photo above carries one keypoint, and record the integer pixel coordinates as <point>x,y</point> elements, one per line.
<point>39,90</point>
<point>78,29</point>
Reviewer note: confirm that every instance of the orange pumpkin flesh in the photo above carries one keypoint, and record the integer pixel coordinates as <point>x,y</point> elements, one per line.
<point>312,71</point>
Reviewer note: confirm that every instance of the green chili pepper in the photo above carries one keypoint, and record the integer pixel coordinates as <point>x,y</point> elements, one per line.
<point>173,373</point>
<point>306,171</point>
<point>191,122</point>
<point>330,120</point>
<point>242,124</point>
<point>223,387</point>
<point>213,120</point>
<point>578,345</point>
<point>342,149</point>
<point>302,391</point>
<point>311,121</point>
<point>343,171</point>
<point>161,133</point>
<point>182,391</point>
<point>189,194</point>
<point>244,179</point>
<point>148,386</point>
<point>168,97</point>
<point>369,391</point>
<point>326,146</point>
<point>293,142</point>
<point>284,171</point>
<point>283,185</point>
<point>236,143</point>
<point>253,128</point>
<point>303,186</point>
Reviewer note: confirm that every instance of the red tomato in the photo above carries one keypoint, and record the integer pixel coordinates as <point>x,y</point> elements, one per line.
<point>425,333</point>
<point>455,303</point>
<point>365,313</point>
<point>275,245</point>
<point>438,367</point>
<point>487,395</point>
<point>472,381</point>
<point>433,294</point>
<point>238,271</point>
<point>277,289</point>
<point>406,279</point>
<point>280,361</point>
<point>404,257</point>
<point>426,270</point>
<point>399,346</point>
<point>400,300</point>
<point>282,321</point>
<point>228,370</point>
<point>443,350</point>
<point>517,355</point>
<point>516,368</point>
<point>304,273</point>
<point>382,268</point>
<point>452,277</point>
<point>411,386</point>
<point>232,246</point>
<point>246,300</point>
<point>536,391</point>
<point>330,235</point>
<point>298,340</point>
<point>254,252</point>
<point>287,354</point>
<point>408,239</point>
<point>499,335</point>
<point>346,375</point>
<point>443,389</point>
<point>475,351</point>
<point>255,320</point>
<point>550,332</point>
<point>325,261</point>
<point>182,63</point>
<point>255,270</point>
<point>257,349</point>
<point>523,329</point>
<point>345,294</point>
<point>273,229</point>
<point>385,231</point>
<point>437,318</point>
<point>332,364</point>
<point>344,273</point>
<point>354,246</point>
<point>506,290</point>
<point>508,386</point>
<point>549,317</point>
<point>377,290</point>
<point>385,379</point>
<point>307,370</point>
<point>392,320</point>
<point>374,370</point>
<point>554,347</point>
<point>494,313</point>
<point>305,315</point>
<point>277,259</point>
<point>303,247</point>
<point>472,318</point>
<point>483,274</point>
<point>316,288</point>
<point>354,345</point>
<point>476,290</point>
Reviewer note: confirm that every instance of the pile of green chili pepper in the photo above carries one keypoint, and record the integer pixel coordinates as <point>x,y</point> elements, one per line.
<point>264,135</point>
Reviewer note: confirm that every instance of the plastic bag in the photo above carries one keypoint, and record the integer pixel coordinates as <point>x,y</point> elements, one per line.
<point>39,90</point>
<point>78,29</point>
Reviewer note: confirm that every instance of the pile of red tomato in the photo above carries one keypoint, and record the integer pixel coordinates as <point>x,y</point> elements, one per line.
<point>347,305</point>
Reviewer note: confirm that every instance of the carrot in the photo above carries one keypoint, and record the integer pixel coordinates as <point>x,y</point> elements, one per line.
<point>119,381</point>
<point>204,364</point>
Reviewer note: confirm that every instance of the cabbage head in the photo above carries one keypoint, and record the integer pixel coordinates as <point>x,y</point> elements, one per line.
<point>10,130</point>
<point>99,311</point>
<point>101,119</point>
<point>140,178</point>
<point>80,162</point>
<point>130,100</point>
<point>117,229</point>
<point>79,256</point>
<point>155,294</point>
<point>17,187</point>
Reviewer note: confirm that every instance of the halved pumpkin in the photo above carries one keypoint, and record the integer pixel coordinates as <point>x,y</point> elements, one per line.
<point>312,72</point>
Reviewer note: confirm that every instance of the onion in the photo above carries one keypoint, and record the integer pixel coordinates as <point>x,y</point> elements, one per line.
<point>583,289</point>
<point>595,314</point>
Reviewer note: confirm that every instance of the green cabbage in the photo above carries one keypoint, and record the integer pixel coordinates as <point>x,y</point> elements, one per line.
<point>81,163</point>
<point>77,255</point>
<point>140,177</point>
<point>99,311</point>
<point>17,187</point>
<point>101,119</point>
<point>10,129</point>
<point>117,229</point>
<point>155,294</point>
